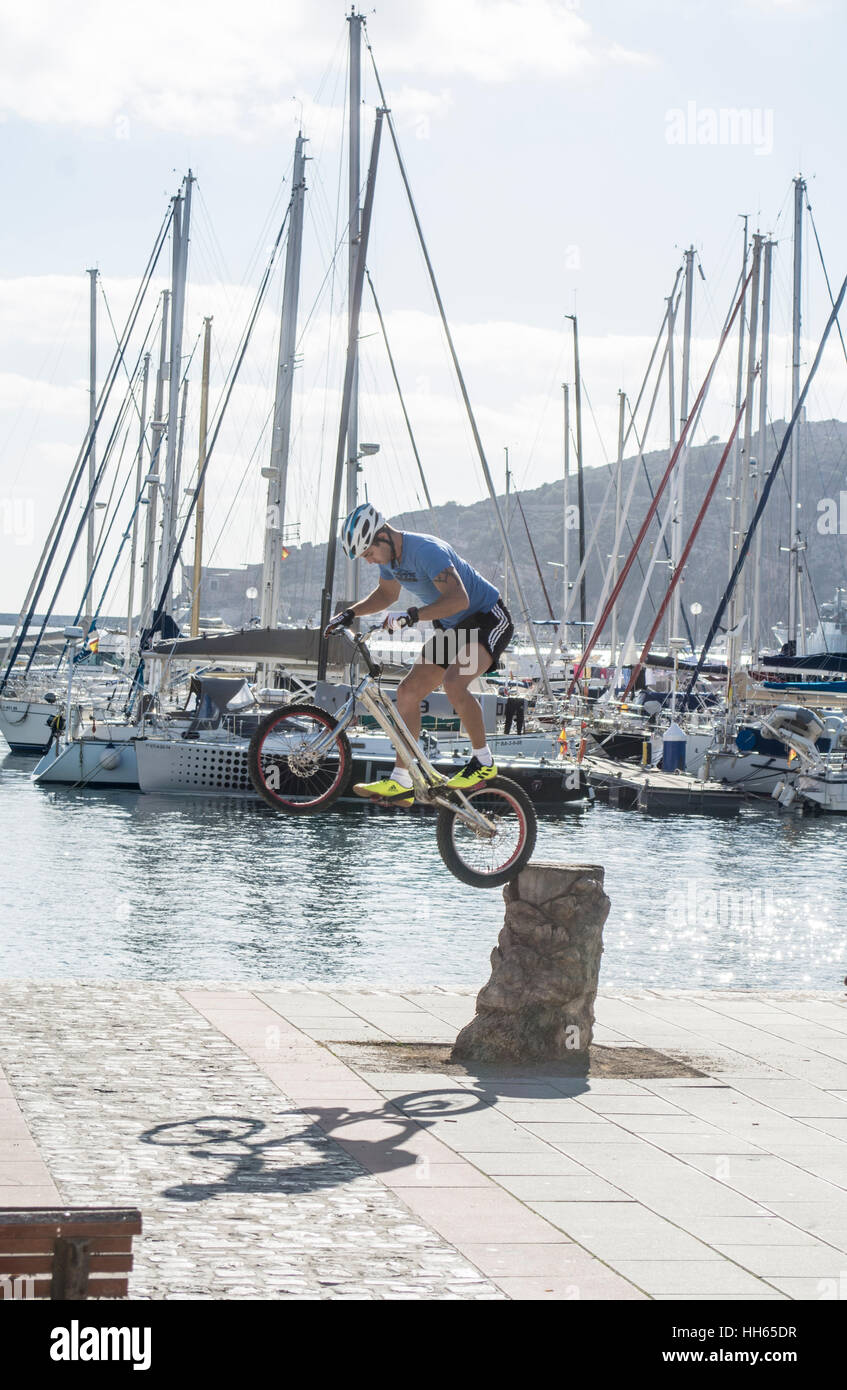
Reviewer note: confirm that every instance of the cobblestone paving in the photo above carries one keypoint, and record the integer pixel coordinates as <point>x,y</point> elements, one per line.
<point>134,1099</point>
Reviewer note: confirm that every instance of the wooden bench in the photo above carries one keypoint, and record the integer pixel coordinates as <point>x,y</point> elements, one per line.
<point>66,1252</point>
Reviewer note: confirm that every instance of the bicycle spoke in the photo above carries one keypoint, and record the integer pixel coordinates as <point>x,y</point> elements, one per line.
<point>493,854</point>
<point>293,764</point>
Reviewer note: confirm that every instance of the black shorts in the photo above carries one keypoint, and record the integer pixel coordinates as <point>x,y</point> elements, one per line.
<point>493,630</point>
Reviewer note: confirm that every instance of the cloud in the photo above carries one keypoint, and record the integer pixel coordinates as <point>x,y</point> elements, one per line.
<point>212,68</point>
<point>513,370</point>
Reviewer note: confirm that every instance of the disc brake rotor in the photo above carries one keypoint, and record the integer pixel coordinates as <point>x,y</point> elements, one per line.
<point>302,762</point>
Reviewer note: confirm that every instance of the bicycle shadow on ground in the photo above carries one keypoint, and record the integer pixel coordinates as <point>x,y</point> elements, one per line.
<point>257,1161</point>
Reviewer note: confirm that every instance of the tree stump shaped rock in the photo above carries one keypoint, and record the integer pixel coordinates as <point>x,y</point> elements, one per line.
<point>539,1003</point>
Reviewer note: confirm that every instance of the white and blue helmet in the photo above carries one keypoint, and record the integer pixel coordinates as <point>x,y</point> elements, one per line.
<point>359,530</point>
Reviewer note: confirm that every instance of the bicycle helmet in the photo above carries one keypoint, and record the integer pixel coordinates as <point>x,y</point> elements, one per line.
<point>359,530</point>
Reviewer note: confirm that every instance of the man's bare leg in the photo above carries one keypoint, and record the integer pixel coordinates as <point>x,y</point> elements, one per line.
<point>474,661</point>
<point>420,682</point>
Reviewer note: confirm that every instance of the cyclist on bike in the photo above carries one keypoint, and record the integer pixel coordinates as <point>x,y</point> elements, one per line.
<point>473,627</point>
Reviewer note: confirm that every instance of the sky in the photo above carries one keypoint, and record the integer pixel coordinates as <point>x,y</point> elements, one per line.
<point>562,155</point>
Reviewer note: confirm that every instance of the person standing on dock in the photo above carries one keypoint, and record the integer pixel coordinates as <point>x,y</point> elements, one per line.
<point>473,627</point>
<point>515,705</point>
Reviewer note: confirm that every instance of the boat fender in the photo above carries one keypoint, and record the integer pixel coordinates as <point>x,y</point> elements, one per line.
<point>110,759</point>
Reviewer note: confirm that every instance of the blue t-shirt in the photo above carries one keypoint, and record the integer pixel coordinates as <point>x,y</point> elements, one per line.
<point>422,558</point>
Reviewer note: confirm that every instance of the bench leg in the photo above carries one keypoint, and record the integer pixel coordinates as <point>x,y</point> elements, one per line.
<point>70,1268</point>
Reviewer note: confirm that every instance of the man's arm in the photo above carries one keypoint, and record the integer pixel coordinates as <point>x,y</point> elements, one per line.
<point>454,596</point>
<point>381,597</point>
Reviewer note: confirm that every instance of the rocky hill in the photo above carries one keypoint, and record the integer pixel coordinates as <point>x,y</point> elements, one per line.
<point>474,533</point>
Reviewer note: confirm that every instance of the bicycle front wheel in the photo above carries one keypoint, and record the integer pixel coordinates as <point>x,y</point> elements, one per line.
<point>287,766</point>
<point>483,860</point>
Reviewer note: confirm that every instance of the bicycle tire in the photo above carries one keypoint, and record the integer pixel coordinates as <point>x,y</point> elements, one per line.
<point>515,802</point>
<point>294,790</point>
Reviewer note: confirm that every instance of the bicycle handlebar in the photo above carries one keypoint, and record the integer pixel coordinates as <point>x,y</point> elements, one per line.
<point>359,642</point>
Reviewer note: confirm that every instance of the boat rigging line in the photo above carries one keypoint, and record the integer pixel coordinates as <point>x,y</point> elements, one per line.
<point>683,559</point>
<point>459,375</point>
<point>766,490</point>
<point>534,556</point>
<point>136,508</point>
<point>399,389</point>
<point>651,511</point>
<point>823,268</point>
<point>216,428</point>
<point>48,554</point>
<point>83,521</point>
<point>563,626</point>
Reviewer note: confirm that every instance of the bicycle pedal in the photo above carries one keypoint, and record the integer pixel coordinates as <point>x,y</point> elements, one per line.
<point>392,801</point>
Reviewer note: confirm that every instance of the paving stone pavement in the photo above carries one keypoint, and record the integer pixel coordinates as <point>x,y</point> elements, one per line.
<point>280,1146</point>
<point>134,1099</point>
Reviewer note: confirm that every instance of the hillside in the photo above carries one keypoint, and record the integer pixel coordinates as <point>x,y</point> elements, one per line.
<point>473,531</point>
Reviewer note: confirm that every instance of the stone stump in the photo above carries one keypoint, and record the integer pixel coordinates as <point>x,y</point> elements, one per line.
<point>539,1003</point>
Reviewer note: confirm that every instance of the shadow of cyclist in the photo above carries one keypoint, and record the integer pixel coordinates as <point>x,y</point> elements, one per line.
<point>259,1161</point>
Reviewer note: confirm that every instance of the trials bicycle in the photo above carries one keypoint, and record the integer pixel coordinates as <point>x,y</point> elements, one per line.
<point>300,761</point>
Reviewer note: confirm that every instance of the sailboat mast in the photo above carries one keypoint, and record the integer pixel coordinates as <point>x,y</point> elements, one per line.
<point>277,473</point>
<point>679,485</point>
<point>139,474</point>
<point>506,524</point>
<point>92,415</point>
<point>352,336</point>
<point>566,587</point>
<point>155,463</point>
<point>795,633</point>
<point>580,487</point>
<point>181,222</point>
<point>739,383</point>
<point>617,531</point>
<point>199,514</point>
<point>354,231</point>
<point>738,606</point>
<point>761,446</point>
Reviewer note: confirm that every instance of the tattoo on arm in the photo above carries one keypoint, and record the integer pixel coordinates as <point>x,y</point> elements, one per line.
<point>447,579</point>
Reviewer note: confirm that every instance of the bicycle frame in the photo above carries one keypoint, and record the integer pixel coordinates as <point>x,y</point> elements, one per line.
<point>430,787</point>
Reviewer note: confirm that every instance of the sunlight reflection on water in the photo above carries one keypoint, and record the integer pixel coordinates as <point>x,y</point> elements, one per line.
<point>120,885</point>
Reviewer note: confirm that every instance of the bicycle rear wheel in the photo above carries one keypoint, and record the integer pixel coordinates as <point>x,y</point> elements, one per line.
<point>489,861</point>
<point>286,768</point>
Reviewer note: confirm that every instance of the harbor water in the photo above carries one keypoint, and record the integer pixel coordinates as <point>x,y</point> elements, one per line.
<point>119,885</point>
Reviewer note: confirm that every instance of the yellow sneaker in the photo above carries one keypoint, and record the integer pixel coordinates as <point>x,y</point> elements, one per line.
<point>472,775</point>
<point>387,791</point>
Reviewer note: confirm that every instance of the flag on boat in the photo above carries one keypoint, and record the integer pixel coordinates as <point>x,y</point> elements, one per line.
<point>285,553</point>
<point>93,642</point>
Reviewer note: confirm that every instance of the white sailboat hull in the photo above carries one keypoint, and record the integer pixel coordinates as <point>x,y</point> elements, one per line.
<point>89,762</point>
<point>756,773</point>
<point>193,767</point>
<point>24,723</point>
<point>826,789</point>
<point>212,767</point>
